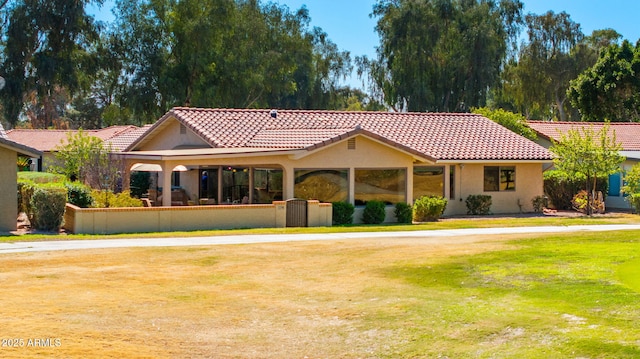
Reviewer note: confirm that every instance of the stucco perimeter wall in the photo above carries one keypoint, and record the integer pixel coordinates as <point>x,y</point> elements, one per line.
<point>8,190</point>
<point>188,218</point>
<point>529,184</point>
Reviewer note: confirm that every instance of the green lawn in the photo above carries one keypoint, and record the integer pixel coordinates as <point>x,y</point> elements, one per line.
<point>565,296</point>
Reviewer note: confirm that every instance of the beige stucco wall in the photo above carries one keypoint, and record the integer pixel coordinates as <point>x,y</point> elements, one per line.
<point>470,181</point>
<point>8,190</point>
<point>190,218</point>
<point>169,137</point>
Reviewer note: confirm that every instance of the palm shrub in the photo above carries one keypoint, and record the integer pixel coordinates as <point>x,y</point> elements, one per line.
<point>478,204</point>
<point>374,212</point>
<point>342,213</point>
<point>48,203</point>
<point>403,212</point>
<point>429,208</point>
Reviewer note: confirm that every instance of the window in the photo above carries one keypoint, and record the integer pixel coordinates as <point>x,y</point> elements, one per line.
<point>235,184</point>
<point>428,181</point>
<point>267,184</point>
<point>499,178</point>
<point>322,185</point>
<point>209,183</point>
<point>386,185</point>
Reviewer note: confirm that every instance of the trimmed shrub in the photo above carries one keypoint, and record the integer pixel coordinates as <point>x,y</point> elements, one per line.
<point>25,192</point>
<point>403,212</point>
<point>342,213</point>
<point>79,194</point>
<point>478,204</point>
<point>374,212</point>
<point>429,208</point>
<point>107,199</point>
<point>561,190</point>
<point>48,204</point>
<point>634,200</point>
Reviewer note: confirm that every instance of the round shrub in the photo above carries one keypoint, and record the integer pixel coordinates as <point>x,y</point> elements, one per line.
<point>478,204</point>
<point>429,208</point>
<point>79,195</point>
<point>48,203</point>
<point>403,212</point>
<point>342,213</point>
<point>374,212</point>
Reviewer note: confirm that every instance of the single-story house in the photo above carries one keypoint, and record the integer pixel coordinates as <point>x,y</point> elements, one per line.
<point>47,141</point>
<point>627,134</point>
<point>9,152</point>
<point>240,156</point>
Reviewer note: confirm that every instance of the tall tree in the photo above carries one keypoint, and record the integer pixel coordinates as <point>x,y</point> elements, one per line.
<point>440,55</point>
<point>46,53</point>
<point>610,90</point>
<point>536,82</point>
<point>224,53</point>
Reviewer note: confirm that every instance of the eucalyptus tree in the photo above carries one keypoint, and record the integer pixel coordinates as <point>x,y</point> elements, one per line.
<point>535,82</point>
<point>440,55</point>
<point>46,55</point>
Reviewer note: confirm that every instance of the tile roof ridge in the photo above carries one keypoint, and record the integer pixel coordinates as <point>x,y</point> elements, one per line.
<point>297,110</point>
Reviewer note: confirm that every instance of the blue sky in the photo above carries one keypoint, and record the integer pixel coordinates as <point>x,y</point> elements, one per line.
<point>348,24</point>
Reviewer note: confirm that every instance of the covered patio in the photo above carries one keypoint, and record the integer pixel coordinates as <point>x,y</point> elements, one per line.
<point>212,176</point>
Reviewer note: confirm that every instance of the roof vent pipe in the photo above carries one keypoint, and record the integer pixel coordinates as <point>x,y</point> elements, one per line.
<point>274,113</point>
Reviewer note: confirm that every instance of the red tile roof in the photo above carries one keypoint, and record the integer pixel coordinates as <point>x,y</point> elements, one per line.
<point>48,140</point>
<point>627,133</point>
<point>439,136</point>
<point>123,139</point>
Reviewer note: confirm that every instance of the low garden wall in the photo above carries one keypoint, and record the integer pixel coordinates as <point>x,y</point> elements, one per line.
<point>187,218</point>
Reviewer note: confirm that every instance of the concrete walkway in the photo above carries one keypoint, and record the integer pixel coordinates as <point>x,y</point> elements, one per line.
<point>20,247</point>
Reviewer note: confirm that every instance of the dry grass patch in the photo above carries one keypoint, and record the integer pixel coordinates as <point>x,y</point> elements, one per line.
<point>246,301</point>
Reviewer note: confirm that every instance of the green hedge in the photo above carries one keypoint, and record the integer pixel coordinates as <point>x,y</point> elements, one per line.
<point>403,212</point>
<point>41,177</point>
<point>560,190</point>
<point>429,208</point>
<point>79,194</point>
<point>342,213</point>
<point>374,212</point>
<point>478,204</point>
<point>48,204</point>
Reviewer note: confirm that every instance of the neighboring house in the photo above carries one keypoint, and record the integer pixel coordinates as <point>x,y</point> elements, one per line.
<point>9,152</point>
<point>627,135</point>
<point>257,156</point>
<point>46,141</point>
